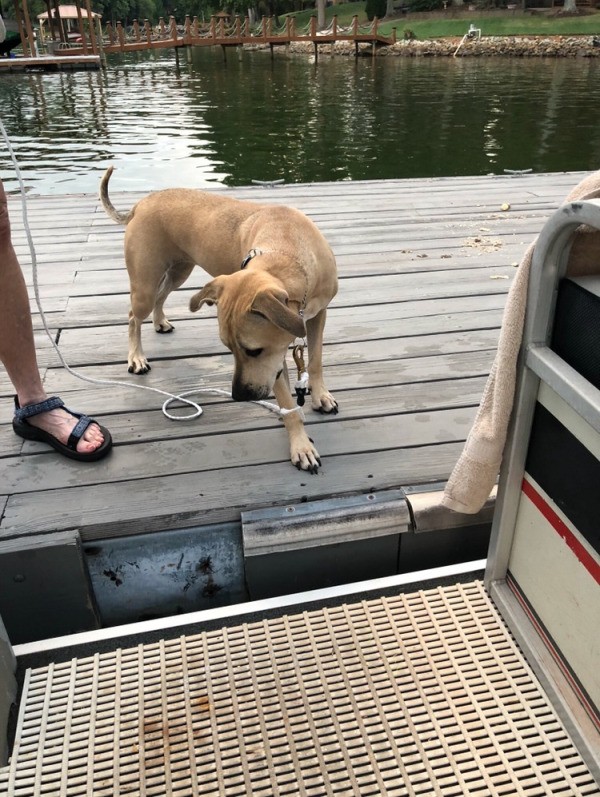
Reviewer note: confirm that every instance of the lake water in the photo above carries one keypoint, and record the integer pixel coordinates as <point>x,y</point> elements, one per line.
<point>253,118</point>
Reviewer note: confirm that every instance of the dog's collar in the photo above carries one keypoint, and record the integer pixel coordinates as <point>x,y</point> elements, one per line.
<point>252,253</point>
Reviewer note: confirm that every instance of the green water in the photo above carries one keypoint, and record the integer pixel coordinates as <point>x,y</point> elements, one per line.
<point>253,118</point>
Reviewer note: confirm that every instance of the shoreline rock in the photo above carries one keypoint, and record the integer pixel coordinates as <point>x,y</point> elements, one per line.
<point>585,46</point>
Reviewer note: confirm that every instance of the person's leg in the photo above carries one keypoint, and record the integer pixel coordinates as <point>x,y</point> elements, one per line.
<point>17,348</point>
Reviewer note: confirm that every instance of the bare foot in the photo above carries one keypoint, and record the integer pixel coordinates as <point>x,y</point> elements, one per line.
<point>60,424</point>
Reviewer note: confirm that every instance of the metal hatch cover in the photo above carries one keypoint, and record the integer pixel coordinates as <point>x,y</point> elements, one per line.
<point>412,695</point>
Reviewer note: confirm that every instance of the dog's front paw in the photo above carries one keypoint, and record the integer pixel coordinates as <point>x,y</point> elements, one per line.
<point>138,365</point>
<point>324,403</point>
<point>305,456</point>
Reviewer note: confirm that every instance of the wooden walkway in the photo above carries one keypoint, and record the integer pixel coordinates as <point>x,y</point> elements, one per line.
<point>237,33</point>
<point>193,33</point>
<point>425,266</point>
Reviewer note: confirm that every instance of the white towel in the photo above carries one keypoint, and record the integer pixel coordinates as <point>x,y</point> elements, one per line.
<point>476,471</point>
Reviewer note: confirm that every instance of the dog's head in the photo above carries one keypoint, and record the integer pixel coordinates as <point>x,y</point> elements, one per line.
<point>256,325</point>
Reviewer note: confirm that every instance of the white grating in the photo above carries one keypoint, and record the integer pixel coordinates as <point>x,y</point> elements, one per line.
<point>417,695</point>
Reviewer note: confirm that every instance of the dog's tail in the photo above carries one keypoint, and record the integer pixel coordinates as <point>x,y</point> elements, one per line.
<point>120,218</point>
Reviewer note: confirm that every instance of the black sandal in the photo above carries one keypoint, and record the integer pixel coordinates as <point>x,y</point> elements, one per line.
<point>29,432</point>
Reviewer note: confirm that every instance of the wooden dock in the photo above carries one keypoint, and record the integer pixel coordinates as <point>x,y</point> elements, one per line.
<point>236,33</point>
<point>92,48</point>
<point>50,63</point>
<point>424,268</point>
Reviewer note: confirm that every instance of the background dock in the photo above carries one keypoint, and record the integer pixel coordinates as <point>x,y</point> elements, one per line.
<point>49,63</point>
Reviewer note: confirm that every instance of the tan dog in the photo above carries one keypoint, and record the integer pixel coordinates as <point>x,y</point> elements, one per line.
<point>274,274</point>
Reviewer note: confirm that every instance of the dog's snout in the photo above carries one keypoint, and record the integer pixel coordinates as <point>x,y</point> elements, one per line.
<point>242,392</point>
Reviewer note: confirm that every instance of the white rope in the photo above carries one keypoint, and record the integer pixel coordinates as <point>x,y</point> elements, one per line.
<point>171,397</point>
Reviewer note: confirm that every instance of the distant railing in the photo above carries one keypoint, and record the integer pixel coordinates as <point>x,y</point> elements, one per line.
<point>237,32</point>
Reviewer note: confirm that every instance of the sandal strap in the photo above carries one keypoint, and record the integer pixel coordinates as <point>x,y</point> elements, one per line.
<point>29,410</point>
<point>79,428</point>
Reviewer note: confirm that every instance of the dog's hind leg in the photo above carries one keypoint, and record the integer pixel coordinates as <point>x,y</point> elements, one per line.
<point>174,277</point>
<point>322,400</point>
<point>149,298</point>
<point>142,302</point>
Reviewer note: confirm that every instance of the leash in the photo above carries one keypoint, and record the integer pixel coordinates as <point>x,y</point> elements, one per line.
<point>301,385</point>
<point>196,409</point>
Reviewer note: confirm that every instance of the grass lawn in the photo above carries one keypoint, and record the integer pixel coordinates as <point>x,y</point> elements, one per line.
<point>513,24</point>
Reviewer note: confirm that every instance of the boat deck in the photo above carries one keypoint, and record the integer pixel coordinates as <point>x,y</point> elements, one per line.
<point>411,694</point>
<point>424,268</point>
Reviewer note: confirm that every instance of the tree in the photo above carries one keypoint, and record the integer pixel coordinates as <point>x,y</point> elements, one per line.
<point>320,14</point>
<point>375,8</point>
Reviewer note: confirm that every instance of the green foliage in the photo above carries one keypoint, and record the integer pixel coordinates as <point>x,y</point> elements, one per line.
<point>375,8</point>
<point>265,8</point>
<point>126,11</point>
<point>425,5</point>
<point>35,7</point>
<point>344,12</point>
<point>513,24</point>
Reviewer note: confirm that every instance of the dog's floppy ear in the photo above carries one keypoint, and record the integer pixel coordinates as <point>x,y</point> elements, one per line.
<point>208,295</point>
<point>273,306</point>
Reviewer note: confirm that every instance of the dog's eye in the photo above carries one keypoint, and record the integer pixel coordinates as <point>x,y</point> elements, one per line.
<point>253,352</point>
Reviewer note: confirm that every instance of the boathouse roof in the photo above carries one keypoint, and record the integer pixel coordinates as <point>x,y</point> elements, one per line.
<point>69,12</point>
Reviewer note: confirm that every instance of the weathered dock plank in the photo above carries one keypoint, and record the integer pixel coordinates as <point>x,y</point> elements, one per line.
<point>424,270</point>
<point>258,446</point>
<point>162,502</point>
<point>109,345</point>
<point>357,387</point>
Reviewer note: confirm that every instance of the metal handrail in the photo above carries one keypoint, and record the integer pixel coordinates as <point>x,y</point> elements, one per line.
<point>538,362</point>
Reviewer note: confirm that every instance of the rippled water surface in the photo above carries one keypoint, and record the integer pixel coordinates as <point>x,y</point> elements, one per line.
<point>253,118</point>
